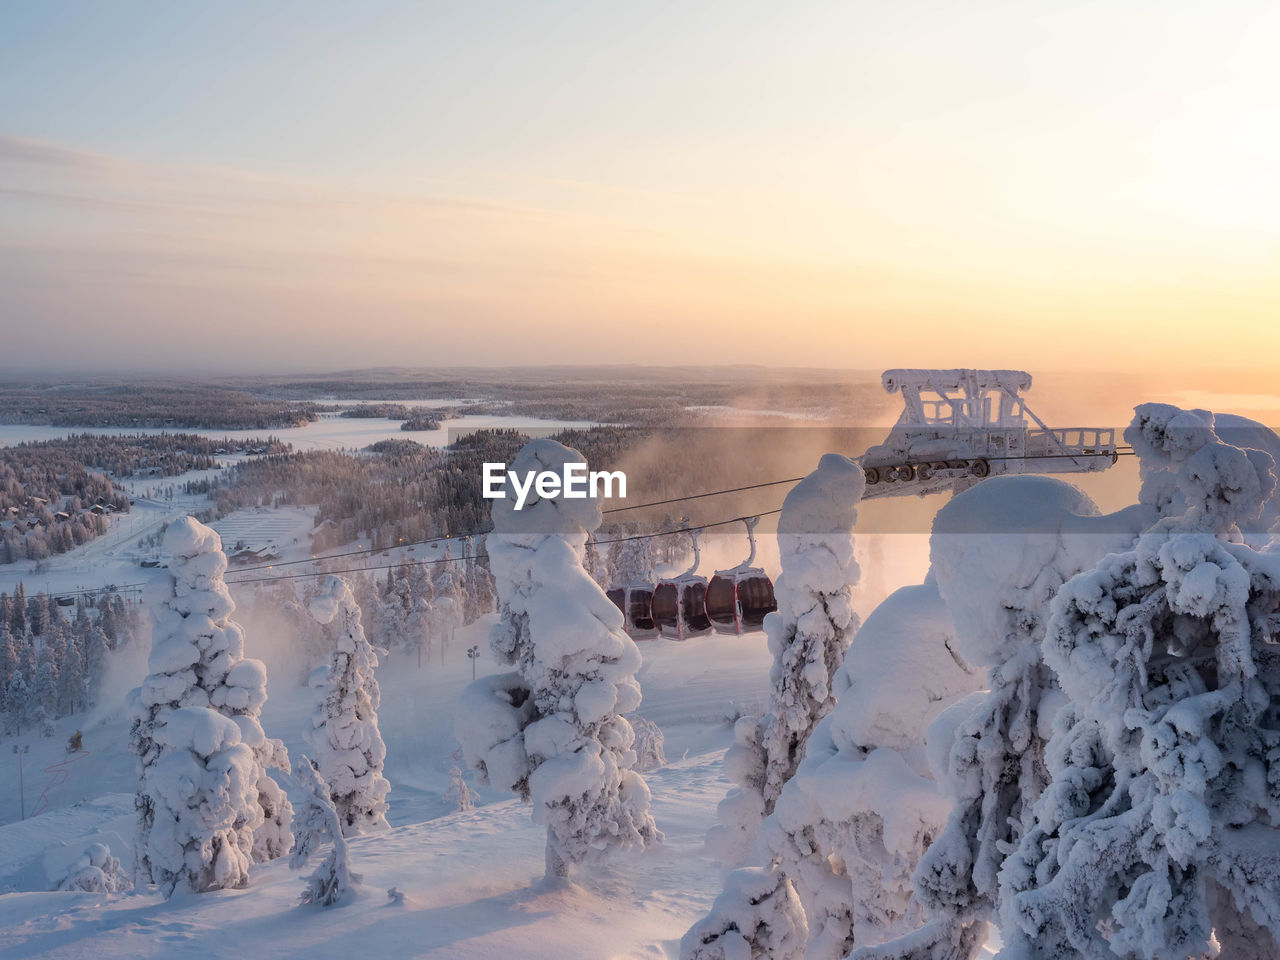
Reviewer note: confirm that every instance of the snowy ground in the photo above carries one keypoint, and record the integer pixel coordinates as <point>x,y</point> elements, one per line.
<point>472,882</point>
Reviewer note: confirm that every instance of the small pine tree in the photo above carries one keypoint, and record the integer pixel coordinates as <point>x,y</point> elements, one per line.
<point>316,823</point>
<point>17,705</point>
<point>344,727</point>
<point>460,792</point>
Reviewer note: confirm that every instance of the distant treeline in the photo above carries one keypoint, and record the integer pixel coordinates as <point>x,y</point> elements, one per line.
<point>644,396</point>
<point>184,405</point>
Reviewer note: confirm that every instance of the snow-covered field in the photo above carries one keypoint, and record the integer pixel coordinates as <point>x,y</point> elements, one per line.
<point>472,881</point>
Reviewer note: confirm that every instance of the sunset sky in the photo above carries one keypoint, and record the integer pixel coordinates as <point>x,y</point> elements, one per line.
<point>250,186</point>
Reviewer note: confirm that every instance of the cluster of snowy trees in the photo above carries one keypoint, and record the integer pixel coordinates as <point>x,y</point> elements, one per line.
<point>207,806</point>
<point>412,612</point>
<point>50,534</point>
<point>419,607</point>
<point>1069,728</point>
<point>405,492</point>
<point>52,666</point>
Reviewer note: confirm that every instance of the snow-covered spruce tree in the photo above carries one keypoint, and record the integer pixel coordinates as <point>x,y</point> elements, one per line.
<point>318,822</point>
<point>553,730</point>
<point>460,791</point>
<point>1166,437</point>
<point>852,823</point>
<point>808,636</point>
<point>999,552</point>
<point>203,799</point>
<point>197,663</point>
<point>17,700</point>
<point>650,745</point>
<point>344,727</point>
<point>757,917</point>
<point>448,594</point>
<point>1158,827</point>
<point>44,693</point>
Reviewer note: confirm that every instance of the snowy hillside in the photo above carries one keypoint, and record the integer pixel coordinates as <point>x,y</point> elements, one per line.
<point>471,880</point>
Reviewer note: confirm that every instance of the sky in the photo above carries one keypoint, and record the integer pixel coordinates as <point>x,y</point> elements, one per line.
<point>246,187</point>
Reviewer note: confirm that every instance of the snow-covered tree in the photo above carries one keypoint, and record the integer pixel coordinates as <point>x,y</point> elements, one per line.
<point>71,680</point>
<point>17,699</point>
<point>202,795</point>
<point>650,743</point>
<point>395,610</point>
<point>808,636</point>
<point>757,917</point>
<point>344,727</point>
<point>96,871</point>
<point>478,584</point>
<point>630,555</point>
<point>44,693</point>
<point>852,823</point>
<point>448,599</point>
<point>553,730</point>
<point>421,629</point>
<point>460,792</point>
<point>316,823</point>
<point>197,663</point>
<point>1158,827</point>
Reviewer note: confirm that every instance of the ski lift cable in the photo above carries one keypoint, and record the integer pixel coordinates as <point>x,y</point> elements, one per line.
<point>463,536</point>
<point>427,563</point>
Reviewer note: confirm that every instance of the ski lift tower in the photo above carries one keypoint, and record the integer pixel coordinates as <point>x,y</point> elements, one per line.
<point>960,426</point>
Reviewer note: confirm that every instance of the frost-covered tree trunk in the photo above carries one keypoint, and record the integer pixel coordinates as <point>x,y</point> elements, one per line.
<point>553,730</point>
<point>344,727</point>
<point>808,636</point>
<point>1159,823</point>
<point>319,822</point>
<point>192,834</point>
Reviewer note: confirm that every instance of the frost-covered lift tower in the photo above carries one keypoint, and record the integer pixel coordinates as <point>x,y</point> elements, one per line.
<point>958,426</point>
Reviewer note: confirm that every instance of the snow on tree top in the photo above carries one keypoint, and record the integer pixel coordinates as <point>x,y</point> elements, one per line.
<point>199,729</point>
<point>328,602</point>
<point>898,674</point>
<point>556,515</point>
<point>1001,549</point>
<point>187,537</point>
<point>825,501</point>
